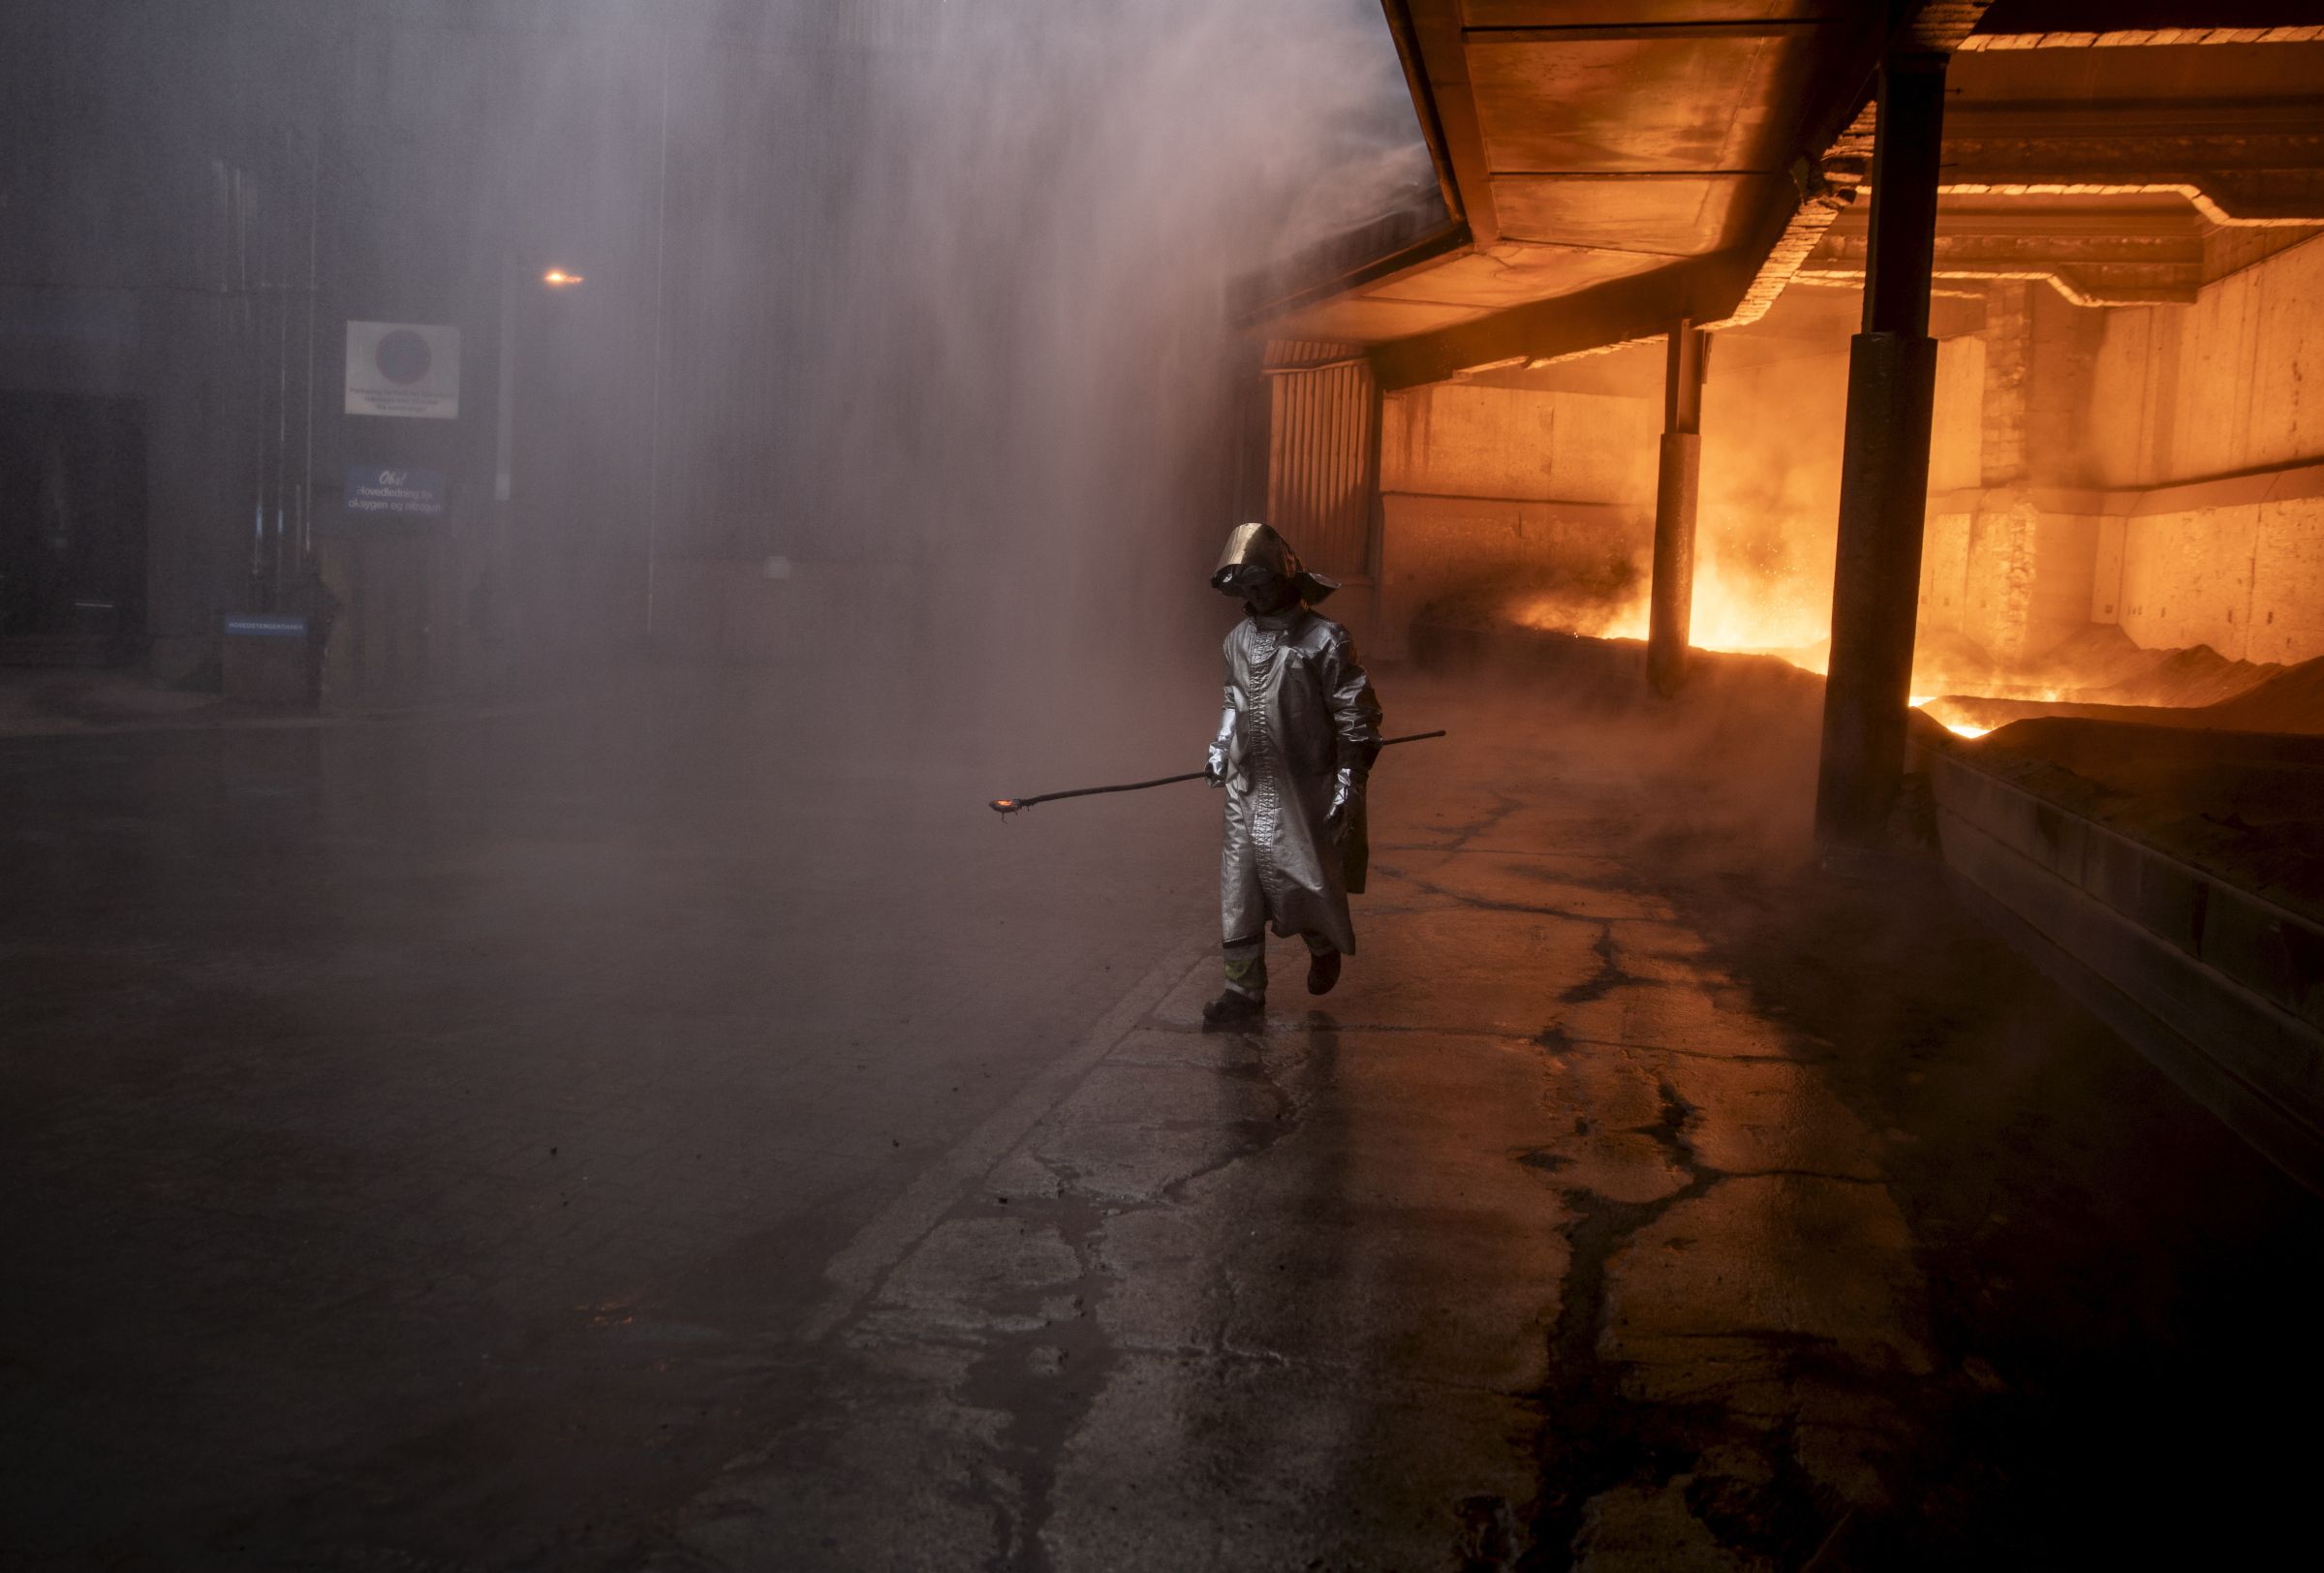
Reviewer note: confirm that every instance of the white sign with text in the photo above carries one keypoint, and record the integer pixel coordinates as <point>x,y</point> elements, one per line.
<point>403,369</point>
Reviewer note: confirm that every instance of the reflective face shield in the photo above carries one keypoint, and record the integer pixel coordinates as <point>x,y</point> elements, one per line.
<point>1254,555</point>
<point>1249,581</point>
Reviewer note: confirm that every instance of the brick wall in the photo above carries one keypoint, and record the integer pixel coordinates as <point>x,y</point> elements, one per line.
<point>2008,359</point>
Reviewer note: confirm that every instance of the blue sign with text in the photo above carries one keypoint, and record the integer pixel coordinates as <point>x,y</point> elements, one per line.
<point>386,491</point>
<point>266,625</point>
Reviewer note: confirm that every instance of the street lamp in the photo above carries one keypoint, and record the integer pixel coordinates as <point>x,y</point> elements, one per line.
<point>504,436</point>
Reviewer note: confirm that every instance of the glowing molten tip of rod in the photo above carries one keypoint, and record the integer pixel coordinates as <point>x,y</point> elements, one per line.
<point>556,278</point>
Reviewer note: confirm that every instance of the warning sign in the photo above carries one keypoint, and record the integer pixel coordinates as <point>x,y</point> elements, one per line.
<point>391,492</point>
<point>403,369</point>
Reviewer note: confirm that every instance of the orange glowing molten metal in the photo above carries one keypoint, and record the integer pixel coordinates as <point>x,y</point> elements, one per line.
<point>1735,609</point>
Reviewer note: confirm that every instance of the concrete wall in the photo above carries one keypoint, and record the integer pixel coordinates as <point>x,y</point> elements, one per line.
<point>1482,486</point>
<point>1488,484</point>
<point>2227,384</point>
<point>2190,402</point>
<point>2073,477</point>
<point>2114,456</point>
<point>2009,568</point>
<point>1956,434</point>
<point>1454,438</point>
<point>2210,980</point>
<point>2235,564</point>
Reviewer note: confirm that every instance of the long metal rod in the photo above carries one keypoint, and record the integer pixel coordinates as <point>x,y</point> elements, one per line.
<point>1011,805</point>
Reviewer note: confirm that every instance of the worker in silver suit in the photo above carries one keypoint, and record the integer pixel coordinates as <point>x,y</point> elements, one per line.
<point>1295,742</point>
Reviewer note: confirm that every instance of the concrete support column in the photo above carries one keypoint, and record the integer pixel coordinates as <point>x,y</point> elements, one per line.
<point>1671,597</point>
<point>1884,468</point>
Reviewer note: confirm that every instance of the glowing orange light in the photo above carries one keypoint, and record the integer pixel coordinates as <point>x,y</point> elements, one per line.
<point>556,278</point>
<point>1735,608</point>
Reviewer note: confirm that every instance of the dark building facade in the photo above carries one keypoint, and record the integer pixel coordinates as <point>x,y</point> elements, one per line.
<point>228,226</point>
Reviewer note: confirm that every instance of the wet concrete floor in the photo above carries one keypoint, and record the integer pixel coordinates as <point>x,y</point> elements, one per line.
<point>592,1140</point>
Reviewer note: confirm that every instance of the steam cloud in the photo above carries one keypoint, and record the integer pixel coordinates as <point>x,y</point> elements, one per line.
<point>1009,325</point>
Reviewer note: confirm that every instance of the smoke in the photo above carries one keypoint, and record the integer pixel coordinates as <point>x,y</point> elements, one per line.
<point>1766,516</point>
<point>1770,503</point>
<point>902,355</point>
<point>998,286</point>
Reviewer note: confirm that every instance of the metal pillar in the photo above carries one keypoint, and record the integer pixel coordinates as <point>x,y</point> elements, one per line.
<point>1884,469</point>
<point>1671,597</point>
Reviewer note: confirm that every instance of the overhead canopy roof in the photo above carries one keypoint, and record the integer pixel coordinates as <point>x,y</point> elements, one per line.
<point>1608,167</point>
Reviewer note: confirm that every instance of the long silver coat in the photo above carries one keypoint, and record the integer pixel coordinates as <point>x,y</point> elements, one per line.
<point>1302,708</point>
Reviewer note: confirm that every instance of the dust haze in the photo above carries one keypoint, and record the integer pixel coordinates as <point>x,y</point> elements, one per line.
<point>990,267</point>
<point>915,311</point>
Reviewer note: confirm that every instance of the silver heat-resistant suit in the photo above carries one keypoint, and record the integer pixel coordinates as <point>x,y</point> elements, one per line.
<point>1300,723</point>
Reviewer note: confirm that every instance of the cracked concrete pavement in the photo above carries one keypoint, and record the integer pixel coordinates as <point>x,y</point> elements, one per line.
<point>592,1141</point>
<point>1407,1279</point>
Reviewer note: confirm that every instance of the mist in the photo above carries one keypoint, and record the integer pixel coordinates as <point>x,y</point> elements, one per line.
<point>1020,375</point>
<point>900,352</point>
<point>949,336</point>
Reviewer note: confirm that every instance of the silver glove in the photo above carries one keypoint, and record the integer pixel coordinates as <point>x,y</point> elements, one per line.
<point>1346,793</point>
<point>1219,756</point>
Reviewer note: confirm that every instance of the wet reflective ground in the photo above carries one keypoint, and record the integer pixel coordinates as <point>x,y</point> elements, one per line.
<point>418,1130</point>
<point>646,1134</point>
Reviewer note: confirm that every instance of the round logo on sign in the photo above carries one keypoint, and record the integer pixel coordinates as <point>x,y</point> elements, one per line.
<point>402,357</point>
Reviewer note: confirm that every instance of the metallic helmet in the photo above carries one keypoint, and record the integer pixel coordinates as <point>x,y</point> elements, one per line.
<point>1259,546</point>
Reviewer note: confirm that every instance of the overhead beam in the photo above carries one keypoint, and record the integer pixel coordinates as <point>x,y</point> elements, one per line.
<point>2079,286</point>
<point>2171,223</point>
<point>2240,161</point>
<point>1641,306</point>
<point>2251,121</point>
<point>2144,38</point>
<point>2091,259</point>
<point>2259,198</point>
<point>1651,32</point>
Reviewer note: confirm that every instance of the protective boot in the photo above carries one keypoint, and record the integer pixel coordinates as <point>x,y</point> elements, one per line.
<point>1231,1009</point>
<point>1323,970</point>
<point>1245,1001</point>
